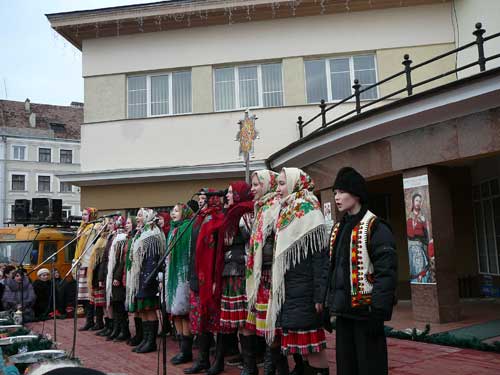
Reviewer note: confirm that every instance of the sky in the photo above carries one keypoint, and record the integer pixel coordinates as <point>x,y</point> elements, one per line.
<point>35,61</point>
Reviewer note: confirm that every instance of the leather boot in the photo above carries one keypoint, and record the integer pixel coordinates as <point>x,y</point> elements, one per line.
<point>108,328</point>
<point>139,334</point>
<point>299,365</point>
<point>150,329</point>
<point>269,366</point>
<point>124,334</point>
<point>116,330</point>
<point>89,316</point>
<point>310,370</point>
<point>186,354</point>
<point>248,350</point>
<point>202,364</point>
<point>218,365</point>
<point>279,361</point>
<point>99,322</point>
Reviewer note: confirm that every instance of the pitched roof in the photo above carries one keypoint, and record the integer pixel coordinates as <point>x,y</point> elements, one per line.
<point>51,121</point>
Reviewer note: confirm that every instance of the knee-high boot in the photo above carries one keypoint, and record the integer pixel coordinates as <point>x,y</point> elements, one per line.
<point>269,366</point>
<point>150,330</point>
<point>89,316</point>
<point>186,353</point>
<point>108,328</point>
<point>139,334</point>
<point>99,316</point>
<point>202,364</point>
<point>248,351</point>
<point>299,365</point>
<point>218,365</point>
<point>280,361</point>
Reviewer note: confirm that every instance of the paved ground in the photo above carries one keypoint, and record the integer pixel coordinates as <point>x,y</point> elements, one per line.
<point>405,357</point>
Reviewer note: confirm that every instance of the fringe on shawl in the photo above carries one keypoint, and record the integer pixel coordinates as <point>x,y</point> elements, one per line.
<point>312,242</point>
<point>117,246</point>
<point>146,244</point>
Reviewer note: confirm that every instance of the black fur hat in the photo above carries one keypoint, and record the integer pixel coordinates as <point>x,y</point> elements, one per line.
<point>349,180</point>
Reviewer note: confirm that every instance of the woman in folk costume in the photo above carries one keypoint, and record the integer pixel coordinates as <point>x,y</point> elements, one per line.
<point>147,250</point>
<point>177,278</point>
<point>205,309</point>
<point>260,261</point>
<point>232,244</point>
<point>97,290</point>
<point>117,320</point>
<point>299,271</point>
<point>86,233</point>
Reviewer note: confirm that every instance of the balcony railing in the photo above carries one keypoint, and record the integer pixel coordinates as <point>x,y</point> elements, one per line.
<point>410,86</point>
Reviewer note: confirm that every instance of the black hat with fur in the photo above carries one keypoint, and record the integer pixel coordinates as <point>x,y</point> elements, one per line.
<point>349,180</point>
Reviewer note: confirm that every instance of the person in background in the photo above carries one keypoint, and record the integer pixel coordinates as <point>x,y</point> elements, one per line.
<point>19,294</point>
<point>43,291</point>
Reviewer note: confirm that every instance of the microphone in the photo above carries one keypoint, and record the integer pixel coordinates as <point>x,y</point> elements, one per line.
<point>117,213</point>
<point>218,193</point>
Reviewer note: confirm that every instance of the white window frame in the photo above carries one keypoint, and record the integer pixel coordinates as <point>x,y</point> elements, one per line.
<point>38,154</point>
<point>64,192</point>
<point>51,183</point>
<point>25,152</point>
<point>66,149</point>
<point>351,72</point>
<point>25,174</point>
<point>170,94</point>
<point>235,68</point>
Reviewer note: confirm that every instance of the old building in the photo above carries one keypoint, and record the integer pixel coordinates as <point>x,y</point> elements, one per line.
<point>38,142</point>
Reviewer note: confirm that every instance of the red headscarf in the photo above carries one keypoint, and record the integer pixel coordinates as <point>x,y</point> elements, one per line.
<point>206,248</point>
<point>166,220</point>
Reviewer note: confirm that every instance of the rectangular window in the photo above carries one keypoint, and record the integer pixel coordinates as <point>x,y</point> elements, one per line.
<point>248,87</point>
<point>44,155</point>
<point>66,156</point>
<point>19,152</point>
<point>18,182</point>
<point>158,95</point>
<point>65,187</point>
<point>66,212</point>
<point>332,79</point>
<point>44,184</point>
<point>487,226</point>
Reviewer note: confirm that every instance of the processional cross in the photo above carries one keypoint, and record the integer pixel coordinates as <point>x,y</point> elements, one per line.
<point>246,136</point>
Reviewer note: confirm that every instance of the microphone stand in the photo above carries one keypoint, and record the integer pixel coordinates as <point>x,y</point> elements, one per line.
<point>164,304</point>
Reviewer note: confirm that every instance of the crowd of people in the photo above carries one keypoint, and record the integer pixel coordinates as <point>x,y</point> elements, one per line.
<point>256,267</point>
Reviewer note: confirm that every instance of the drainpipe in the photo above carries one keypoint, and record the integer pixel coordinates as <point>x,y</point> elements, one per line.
<point>3,178</point>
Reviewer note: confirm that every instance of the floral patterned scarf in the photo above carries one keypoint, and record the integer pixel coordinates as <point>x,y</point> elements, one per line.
<point>266,211</point>
<point>300,232</point>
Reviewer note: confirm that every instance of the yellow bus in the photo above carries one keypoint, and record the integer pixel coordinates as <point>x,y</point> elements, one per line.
<point>35,246</point>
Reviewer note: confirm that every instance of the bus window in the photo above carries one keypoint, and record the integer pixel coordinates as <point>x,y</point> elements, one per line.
<point>34,252</point>
<point>49,248</point>
<point>69,252</point>
<point>14,252</point>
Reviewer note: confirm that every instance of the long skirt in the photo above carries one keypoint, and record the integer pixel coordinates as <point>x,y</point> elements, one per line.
<point>256,319</point>
<point>83,289</point>
<point>233,304</point>
<point>202,321</point>
<point>98,297</point>
<point>302,341</point>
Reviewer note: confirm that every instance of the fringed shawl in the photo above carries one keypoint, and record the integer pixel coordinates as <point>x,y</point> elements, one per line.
<point>266,211</point>
<point>300,232</point>
<point>179,247</point>
<point>115,252</point>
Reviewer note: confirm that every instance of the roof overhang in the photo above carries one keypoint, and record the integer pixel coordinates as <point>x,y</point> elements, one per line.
<point>177,14</point>
<point>472,94</point>
<point>181,173</point>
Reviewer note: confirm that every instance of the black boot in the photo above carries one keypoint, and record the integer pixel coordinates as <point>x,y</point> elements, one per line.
<point>124,330</point>
<point>248,350</point>
<point>279,361</point>
<point>299,365</point>
<point>99,322</point>
<point>150,329</point>
<point>186,354</point>
<point>89,316</point>
<point>309,370</point>
<point>139,334</point>
<point>108,328</point>
<point>116,330</point>
<point>202,364</point>
<point>269,366</point>
<point>218,365</point>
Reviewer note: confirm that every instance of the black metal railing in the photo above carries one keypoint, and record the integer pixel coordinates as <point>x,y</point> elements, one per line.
<point>410,86</point>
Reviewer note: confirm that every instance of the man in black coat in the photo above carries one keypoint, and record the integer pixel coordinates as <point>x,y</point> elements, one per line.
<point>363,277</point>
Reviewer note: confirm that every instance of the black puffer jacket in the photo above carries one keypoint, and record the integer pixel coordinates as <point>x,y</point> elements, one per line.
<point>305,285</point>
<point>382,252</point>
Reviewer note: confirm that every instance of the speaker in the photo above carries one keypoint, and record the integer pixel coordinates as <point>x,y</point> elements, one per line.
<point>21,210</point>
<point>46,209</point>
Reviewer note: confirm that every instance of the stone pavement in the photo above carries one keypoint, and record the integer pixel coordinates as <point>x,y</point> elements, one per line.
<point>405,357</point>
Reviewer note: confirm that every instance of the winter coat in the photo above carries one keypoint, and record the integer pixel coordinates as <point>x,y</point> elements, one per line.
<point>43,292</point>
<point>193,277</point>
<point>305,285</point>
<point>118,293</point>
<point>12,297</point>
<point>235,255</point>
<point>102,268</point>
<point>382,253</point>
